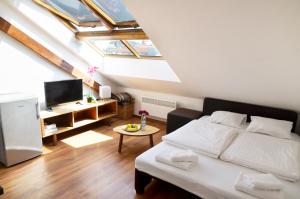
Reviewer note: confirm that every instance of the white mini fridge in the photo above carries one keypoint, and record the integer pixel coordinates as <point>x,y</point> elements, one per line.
<point>20,137</point>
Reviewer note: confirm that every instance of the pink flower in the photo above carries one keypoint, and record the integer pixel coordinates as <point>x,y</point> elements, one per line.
<point>143,112</point>
<point>92,69</point>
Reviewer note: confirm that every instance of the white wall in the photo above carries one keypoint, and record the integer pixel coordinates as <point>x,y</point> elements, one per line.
<point>246,51</point>
<point>153,69</point>
<point>21,70</point>
<point>182,102</point>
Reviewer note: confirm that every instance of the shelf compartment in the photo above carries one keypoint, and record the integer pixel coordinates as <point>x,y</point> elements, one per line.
<point>87,114</point>
<point>107,110</point>
<point>63,123</point>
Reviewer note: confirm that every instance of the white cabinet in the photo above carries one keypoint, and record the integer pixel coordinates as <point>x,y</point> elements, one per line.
<point>20,137</point>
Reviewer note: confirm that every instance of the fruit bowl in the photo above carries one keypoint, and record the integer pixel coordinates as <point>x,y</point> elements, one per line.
<point>132,127</point>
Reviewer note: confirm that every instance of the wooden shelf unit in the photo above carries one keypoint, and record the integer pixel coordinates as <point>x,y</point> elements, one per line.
<point>71,116</point>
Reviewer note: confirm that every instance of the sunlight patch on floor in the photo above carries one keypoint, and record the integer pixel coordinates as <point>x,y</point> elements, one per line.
<point>46,150</point>
<point>85,139</point>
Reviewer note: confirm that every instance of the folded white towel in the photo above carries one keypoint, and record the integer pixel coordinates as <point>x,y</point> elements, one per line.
<point>165,157</point>
<point>265,181</point>
<point>184,156</point>
<point>244,184</point>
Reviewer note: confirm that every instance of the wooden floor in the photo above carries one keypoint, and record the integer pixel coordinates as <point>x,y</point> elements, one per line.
<point>91,171</point>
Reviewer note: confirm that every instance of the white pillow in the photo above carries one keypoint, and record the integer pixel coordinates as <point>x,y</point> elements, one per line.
<point>228,118</point>
<point>276,128</point>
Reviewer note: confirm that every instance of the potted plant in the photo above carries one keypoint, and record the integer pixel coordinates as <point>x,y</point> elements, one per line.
<point>90,98</point>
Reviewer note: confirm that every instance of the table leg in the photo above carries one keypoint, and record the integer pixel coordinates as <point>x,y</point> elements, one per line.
<point>151,140</point>
<point>120,143</point>
<point>54,139</point>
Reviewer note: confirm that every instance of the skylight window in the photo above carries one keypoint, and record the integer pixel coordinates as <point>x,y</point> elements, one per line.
<point>106,25</point>
<point>144,48</point>
<point>112,47</point>
<point>114,10</point>
<point>74,11</point>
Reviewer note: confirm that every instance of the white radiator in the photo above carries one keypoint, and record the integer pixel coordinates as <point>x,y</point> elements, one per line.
<point>157,107</point>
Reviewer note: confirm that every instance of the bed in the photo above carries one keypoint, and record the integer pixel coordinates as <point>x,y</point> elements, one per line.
<point>211,178</point>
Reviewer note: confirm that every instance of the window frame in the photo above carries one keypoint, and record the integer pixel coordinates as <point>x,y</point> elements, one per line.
<point>105,15</point>
<point>134,56</point>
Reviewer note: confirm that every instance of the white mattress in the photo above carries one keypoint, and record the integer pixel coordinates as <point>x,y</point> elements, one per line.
<point>210,178</point>
<point>265,153</point>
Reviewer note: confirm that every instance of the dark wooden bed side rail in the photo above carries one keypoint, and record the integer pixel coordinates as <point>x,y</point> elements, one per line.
<point>142,179</point>
<point>1,190</point>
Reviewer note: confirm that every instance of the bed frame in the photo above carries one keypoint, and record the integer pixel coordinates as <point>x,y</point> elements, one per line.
<point>210,105</point>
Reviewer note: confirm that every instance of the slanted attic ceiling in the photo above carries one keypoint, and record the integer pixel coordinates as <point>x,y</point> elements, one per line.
<point>103,25</point>
<point>239,50</point>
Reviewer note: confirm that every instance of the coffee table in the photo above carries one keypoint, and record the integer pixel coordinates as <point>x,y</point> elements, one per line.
<point>148,131</point>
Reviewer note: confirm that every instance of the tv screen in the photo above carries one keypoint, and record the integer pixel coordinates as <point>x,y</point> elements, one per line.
<point>58,92</point>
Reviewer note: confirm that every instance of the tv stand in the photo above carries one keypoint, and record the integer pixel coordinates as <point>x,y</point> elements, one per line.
<point>49,109</point>
<point>79,103</point>
<point>70,116</point>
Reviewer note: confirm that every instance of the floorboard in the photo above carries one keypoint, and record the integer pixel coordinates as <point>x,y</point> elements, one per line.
<point>92,171</point>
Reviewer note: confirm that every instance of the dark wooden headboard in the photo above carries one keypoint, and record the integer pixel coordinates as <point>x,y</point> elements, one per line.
<point>211,104</point>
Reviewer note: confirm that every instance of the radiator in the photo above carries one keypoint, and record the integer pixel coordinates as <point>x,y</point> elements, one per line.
<point>158,108</point>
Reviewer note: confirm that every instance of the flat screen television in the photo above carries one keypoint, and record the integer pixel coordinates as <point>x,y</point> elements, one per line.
<point>58,92</point>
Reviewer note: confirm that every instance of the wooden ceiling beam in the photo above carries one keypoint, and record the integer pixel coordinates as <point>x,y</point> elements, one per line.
<point>128,34</point>
<point>42,51</point>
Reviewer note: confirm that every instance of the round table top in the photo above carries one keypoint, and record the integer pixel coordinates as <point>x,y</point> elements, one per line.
<point>148,130</point>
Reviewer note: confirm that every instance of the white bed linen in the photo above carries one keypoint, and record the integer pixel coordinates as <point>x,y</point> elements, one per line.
<point>243,184</point>
<point>203,136</point>
<point>228,118</point>
<point>210,178</point>
<point>295,137</point>
<point>269,126</point>
<point>265,153</point>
